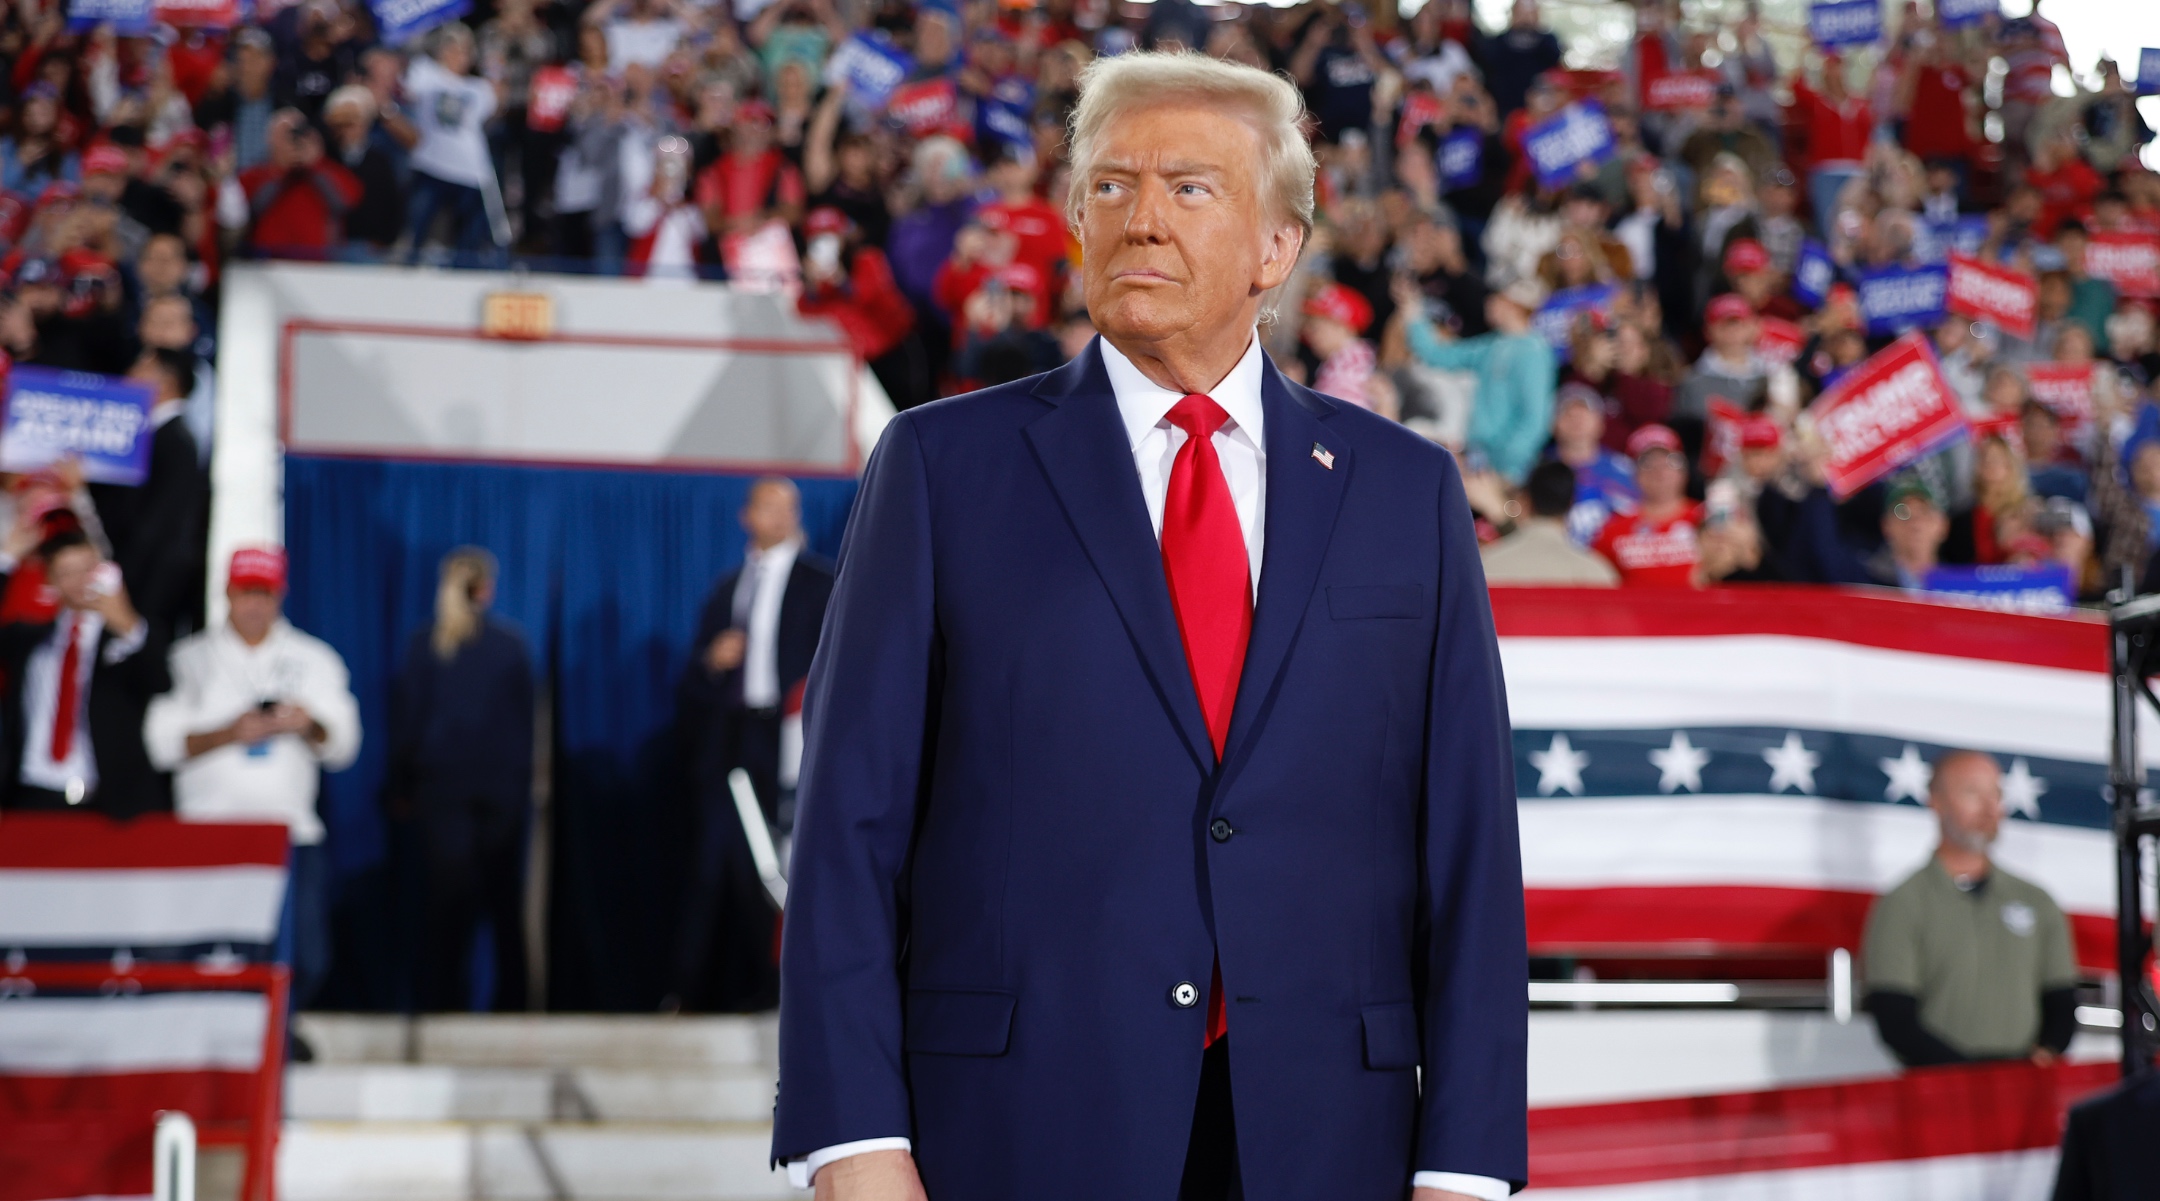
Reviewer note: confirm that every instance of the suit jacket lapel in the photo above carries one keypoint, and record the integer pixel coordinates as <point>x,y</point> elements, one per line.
<point>1085,452</point>
<point>1303,496</point>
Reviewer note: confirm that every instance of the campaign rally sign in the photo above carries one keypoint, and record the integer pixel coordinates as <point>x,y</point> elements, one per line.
<point>1680,90</point>
<point>1721,435</point>
<point>2006,426</point>
<point>1977,288</point>
<point>2066,388</point>
<point>924,107</point>
<point>2148,73</point>
<point>1896,299</point>
<point>871,67</point>
<point>399,21</point>
<point>1419,109</point>
<point>2130,261</point>
<point>101,420</point>
<point>1780,341</point>
<point>553,89</point>
<point>1556,321</point>
<point>1563,142</point>
<point>1003,115</point>
<point>1462,159</point>
<point>1883,414</point>
<point>1935,241</point>
<point>129,18</point>
<point>2042,588</point>
<point>1845,22</point>
<point>1956,14</point>
<point>197,14</point>
<point>1813,273</point>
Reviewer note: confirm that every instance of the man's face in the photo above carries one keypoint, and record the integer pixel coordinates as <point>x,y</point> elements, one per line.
<point>1762,462</point>
<point>1579,424</point>
<point>72,572</point>
<point>1966,795</point>
<point>771,515</point>
<point>255,67</point>
<point>1914,528</point>
<point>162,265</point>
<point>253,611</point>
<point>168,324</point>
<point>1662,476</point>
<point>1734,339</point>
<point>1176,238</point>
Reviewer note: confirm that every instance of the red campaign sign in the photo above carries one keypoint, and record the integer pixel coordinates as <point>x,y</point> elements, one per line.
<point>1680,90</point>
<point>553,88</point>
<point>924,108</point>
<point>1883,414</point>
<point>1721,441</point>
<point>1419,109</point>
<point>2129,261</point>
<point>2064,387</point>
<point>1781,340</point>
<point>2010,299</point>
<point>2003,425</point>
<point>197,14</point>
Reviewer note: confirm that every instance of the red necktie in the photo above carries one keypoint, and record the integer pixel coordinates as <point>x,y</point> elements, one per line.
<point>1203,552</point>
<point>63,721</point>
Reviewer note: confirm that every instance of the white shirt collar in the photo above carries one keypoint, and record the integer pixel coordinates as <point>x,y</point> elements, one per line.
<point>1144,404</point>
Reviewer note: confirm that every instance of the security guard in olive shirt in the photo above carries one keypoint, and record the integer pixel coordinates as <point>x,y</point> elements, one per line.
<point>1964,961</point>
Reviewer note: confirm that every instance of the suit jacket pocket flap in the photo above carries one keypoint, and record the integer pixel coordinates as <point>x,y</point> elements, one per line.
<point>1347,601</point>
<point>1391,1037</point>
<point>958,1023</point>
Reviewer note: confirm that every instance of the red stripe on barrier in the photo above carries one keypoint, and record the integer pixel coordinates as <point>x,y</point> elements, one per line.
<point>1863,617</point>
<point>87,840</point>
<point>1715,920</point>
<point>1966,1110</point>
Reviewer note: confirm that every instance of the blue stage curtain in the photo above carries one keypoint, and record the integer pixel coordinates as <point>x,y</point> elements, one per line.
<point>605,572</point>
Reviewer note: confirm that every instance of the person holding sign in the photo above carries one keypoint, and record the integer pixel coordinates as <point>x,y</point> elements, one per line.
<point>1839,126</point>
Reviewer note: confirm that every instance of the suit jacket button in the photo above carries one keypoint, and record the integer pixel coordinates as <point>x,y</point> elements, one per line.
<point>1184,995</point>
<point>1220,830</point>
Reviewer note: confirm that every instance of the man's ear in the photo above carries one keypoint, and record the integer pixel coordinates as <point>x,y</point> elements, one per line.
<point>1278,258</point>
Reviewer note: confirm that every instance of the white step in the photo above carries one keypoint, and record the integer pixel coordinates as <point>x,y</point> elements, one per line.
<point>377,1161</point>
<point>543,1041</point>
<point>398,1092</point>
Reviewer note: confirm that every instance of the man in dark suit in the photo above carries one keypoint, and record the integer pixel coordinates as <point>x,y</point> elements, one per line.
<point>2111,1145</point>
<point>156,528</point>
<point>754,644</point>
<point>1116,875</point>
<point>71,718</point>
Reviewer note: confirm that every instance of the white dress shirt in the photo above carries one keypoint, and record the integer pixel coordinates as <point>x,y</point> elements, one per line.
<point>217,677</point>
<point>1241,446</point>
<point>41,695</point>
<point>759,591</point>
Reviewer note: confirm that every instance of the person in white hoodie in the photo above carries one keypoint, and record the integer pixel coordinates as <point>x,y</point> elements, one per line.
<point>257,712</point>
<point>451,170</point>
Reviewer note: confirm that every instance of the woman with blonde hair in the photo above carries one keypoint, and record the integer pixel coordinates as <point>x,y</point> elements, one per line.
<point>461,759</point>
<point>2002,496</point>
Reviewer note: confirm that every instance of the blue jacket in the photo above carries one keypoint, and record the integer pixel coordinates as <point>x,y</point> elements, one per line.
<point>1511,417</point>
<point>1014,843</point>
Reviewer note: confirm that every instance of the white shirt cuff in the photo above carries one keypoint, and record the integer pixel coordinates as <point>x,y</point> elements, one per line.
<point>801,1172</point>
<point>127,644</point>
<point>1485,1188</point>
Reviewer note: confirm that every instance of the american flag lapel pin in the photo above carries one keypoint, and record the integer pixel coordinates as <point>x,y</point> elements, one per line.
<point>1326,456</point>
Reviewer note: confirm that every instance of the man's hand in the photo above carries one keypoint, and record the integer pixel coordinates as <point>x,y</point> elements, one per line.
<point>883,1176</point>
<point>725,653</point>
<point>119,614</point>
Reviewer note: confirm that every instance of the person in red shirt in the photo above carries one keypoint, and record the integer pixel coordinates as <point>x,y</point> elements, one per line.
<point>752,183</point>
<point>2065,181</point>
<point>1838,128</point>
<point>853,285</point>
<point>297,200</point>
<point>1038,230</point>
<point>1931,93</point>
<point>1658,545</point>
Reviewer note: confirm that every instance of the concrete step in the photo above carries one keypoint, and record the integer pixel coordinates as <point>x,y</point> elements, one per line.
<point>543,1041</point>
<point>398,1092</point>
<point>449,1161</point>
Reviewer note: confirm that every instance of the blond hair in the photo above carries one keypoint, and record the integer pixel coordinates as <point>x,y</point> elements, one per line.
<point>465,571</point>
<point>1113,85</point>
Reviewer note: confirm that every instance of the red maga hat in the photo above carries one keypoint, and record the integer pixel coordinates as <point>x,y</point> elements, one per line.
<point>1729,307</point>
<point>826,220</point>
<point>1339,303</point>
<point>105,159</point>
<point>1653,437</point>
<point>1745,257</point>
<point>257,567</point>
<point>1760,433</point>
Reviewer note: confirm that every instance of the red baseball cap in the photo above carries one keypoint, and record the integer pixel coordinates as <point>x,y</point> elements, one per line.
<point>826,220</point>
<point>1745,257</point>
<point>1729,307</point>
<point>1653,437</point>
<point>1021,277</point>
<point>104,159</point>
<point>260,567</point>
<point>1760,433</point>
<point>753,110</point>
<point>1339,303</point>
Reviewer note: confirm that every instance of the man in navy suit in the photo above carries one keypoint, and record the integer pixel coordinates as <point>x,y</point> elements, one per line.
<point>1157,828</point>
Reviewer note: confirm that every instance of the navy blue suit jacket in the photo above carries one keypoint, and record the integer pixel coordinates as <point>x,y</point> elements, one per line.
<point>1004,863</point>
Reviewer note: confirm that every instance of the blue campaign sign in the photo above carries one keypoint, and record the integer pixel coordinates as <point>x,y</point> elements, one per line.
<point>1955,14</point>
<point>1934,240</point>
<point>101,420</point>
<point>871,66</point>
<point>1462,159</point>
<point>1845,22</point>
<point>398,21</point>
<point>129,18</point>
<point>2148,76</point>
<point>1003,115</point>
<point>1896,299</point>
<point>2041,589</point>
<point>1573,136</point>
<point>1813,273</point>
<point>1556,321</point>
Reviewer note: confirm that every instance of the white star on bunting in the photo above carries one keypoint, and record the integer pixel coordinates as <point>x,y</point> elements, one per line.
<point>1909,775</point>
<point>2022,790</point>
<point>1559,767</point>
<point>1792,765</point>
<point>1680,764</point>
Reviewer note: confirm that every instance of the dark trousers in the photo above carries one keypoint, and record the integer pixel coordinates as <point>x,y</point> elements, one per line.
<point>1211,1165</point>
<point>304,933</point>
<point>470,236</point>
<point>475,850</point>
<point>724,958</point>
